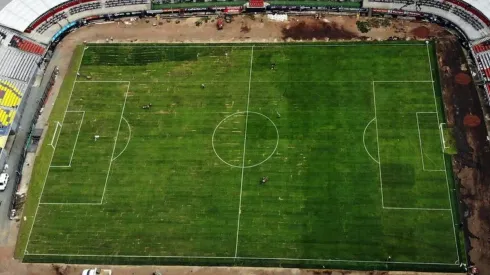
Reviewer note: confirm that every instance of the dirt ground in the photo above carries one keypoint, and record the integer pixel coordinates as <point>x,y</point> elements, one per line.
<point>260,29</point>
<point>472,163</point>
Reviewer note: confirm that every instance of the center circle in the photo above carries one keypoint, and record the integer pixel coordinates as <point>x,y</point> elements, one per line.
<point>230,139</point>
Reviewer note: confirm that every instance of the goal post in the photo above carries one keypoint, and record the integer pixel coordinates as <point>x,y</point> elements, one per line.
<point>56,134</point>
<point>447,139</point>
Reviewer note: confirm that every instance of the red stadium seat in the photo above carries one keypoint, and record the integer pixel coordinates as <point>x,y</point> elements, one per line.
<point>256,3</point>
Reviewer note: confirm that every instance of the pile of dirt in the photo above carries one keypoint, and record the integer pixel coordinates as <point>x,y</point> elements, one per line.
<point>462,79</point>
<point>471,121</point>
<point>421,32</point>
<point>306,30</point>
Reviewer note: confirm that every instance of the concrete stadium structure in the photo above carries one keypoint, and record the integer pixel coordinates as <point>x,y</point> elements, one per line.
<point>29,30</point>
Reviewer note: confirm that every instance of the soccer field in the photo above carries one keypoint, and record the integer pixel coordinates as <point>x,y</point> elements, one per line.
<point>348,135</point>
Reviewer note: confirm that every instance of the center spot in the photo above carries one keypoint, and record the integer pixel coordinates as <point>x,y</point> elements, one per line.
<point>262,138</point>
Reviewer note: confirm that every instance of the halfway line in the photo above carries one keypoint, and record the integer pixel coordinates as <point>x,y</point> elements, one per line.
<point>243,158</point>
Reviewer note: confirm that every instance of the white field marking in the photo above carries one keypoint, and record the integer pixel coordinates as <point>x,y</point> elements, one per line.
<point>266,45</point>
<point>420,145</point>
<point>59,166</point>
<point>99,81</point>
<point>52,156</point>
<point>244,258</point>
<point>420,142</point>
<point>54,135</point>
<point>444,162</point>
<point>70,203</point>
<point>417,208</point>
<point>364,142</point>
<point>241,166</point>
<point>258,81</point>
<point>404,81</point>
<point>76,140</point>
<point>115,142</point>
<point>244,147</point>
<point>127,143</point>
<point>377,141</point>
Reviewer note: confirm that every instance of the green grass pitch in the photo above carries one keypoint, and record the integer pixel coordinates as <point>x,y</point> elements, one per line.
<point>348,135</point>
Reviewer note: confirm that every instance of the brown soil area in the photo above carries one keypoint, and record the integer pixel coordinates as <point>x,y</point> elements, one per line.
<point>421,32</point>
<point>242,29</point>
<point>316,29</point>
<point>462,78</point>
<point>471,165</point>
<point>471,121</point>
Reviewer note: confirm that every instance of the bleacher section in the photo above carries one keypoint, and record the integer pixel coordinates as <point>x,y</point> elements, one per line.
<point>6,116</point>
<point>118,3</point>
<point>481,53</point>
<point>472,21</point>
<point>85,7</point>
<point>51,21</point>
<point>9,95</point>
<point>17,70</point>
<point>17,64</point>
<point>26,45</point>
<point>469,18</point>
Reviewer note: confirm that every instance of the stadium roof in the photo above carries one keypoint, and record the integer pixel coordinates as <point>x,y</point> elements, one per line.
<point>3,3</point>
<point>19,14</point>
<point>482,5</point>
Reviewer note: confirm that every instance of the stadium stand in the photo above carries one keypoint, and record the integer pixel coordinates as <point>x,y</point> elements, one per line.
<point>17,64</point>
<point>16,74</point>
<point>26,45</point>
<point>117,3</point>
<point>472,21</point>
<point>481,53</point>
<point>41,20</point>
<point>85,7</point>
<point>44,26</point>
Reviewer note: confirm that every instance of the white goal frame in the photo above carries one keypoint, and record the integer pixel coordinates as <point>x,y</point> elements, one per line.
<point>56,135</point>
